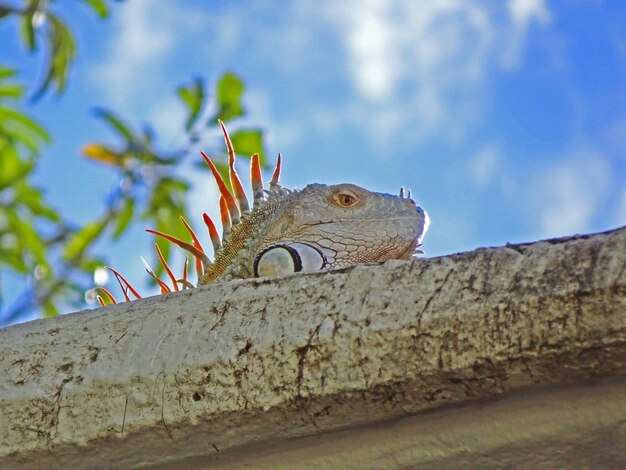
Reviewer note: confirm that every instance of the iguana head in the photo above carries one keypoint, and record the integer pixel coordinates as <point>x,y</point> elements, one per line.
<point>323,227</point>
<point>317,228</point>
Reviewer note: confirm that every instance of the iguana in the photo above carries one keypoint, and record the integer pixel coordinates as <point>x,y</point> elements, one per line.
<point>316,228</point>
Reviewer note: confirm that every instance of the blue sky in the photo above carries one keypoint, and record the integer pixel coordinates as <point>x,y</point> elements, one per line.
<point>506,119</point>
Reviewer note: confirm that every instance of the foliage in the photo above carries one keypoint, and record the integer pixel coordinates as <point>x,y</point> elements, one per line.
<point>55,256</point>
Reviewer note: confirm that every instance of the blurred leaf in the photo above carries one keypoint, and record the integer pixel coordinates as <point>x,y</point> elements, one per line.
<point>74,287</point>
<point>153,157</point>
<point>28,237</point>
<point>116,123</point>
<point>33,199</point>
<point>102,154</point>
<point>249,141</point>
<point>170,185</point>
<point>166,204</point>
<point>193,97</point>
<point>49,309</point>
<point>168,221</point>
<point>228,96</point>
<point>20,129</point>
<point>27,31</point>
<point>11,91</point>
<point>6,72</point>
<point>12,169</point>
<point>89,265</point>
<point>124,217</point>
<point>10,116</point>
<point>99,7</point>
<point>79,242</point>
<point>59,57</point>
<point>167,193</point>
<point>13,259</point>
<point>222,169</point>
<point>32,241</point>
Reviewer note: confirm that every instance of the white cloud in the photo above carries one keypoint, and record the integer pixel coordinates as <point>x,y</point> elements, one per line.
<point>425,63</point>
<point>140,49</point>
<point>418,69</point>
<point>522,13</point>
<point>483,165</point>
<point>372,46</point>
<point>567,197</point>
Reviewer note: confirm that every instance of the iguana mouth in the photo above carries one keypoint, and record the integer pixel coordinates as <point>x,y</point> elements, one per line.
<point>344,221</point>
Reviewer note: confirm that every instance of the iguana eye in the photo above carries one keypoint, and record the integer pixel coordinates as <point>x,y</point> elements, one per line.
<point>345,199</point>
<point>279,260</point>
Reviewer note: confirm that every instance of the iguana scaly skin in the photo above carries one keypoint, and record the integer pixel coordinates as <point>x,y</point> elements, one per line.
<point>316,228</point>
<point>321,231</point>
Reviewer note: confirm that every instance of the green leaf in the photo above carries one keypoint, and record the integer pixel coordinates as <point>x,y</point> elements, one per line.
<point>153,157</point>
<point>28,237</point>
<point>167,221</point>
<point>99,7</point>
<point>193,97</point>
<point>33,199</point>
<point>228,96</point>
<point>27,31</point>
<point>62,50</point>
<point>167,203</point>
<point>249,141</point>
<point>175,184</point>
<point>11,91</point>
<point>222,169</point>
<point>124,217</point>
<point>6,72</point>
<point>89,265</point>
<point>13,259</point>
<point>116,123</point>
<point>10,114</point>
<point>12,169</point>
<point>168,194</point>
<point>49,309</point>
<point>79,242</point>
<point>32,241</point>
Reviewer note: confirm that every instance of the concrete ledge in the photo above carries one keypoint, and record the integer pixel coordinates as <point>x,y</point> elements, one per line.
<point>231,374</point>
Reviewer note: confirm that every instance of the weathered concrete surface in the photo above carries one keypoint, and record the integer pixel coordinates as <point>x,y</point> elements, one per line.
<point>573,426</point>
<point>231,374</point>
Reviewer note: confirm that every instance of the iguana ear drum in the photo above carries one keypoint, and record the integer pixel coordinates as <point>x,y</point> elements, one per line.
<point>279,260</point>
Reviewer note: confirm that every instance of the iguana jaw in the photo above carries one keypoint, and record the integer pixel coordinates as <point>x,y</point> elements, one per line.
<point>376,227</point>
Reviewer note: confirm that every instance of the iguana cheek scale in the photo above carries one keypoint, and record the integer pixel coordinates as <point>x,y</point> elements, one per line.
<point>316,228</point>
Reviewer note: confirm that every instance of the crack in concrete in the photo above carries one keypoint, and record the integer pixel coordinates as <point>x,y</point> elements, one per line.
<point>124,418</point>
<point>167,429</point>
<point>436,292</point>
